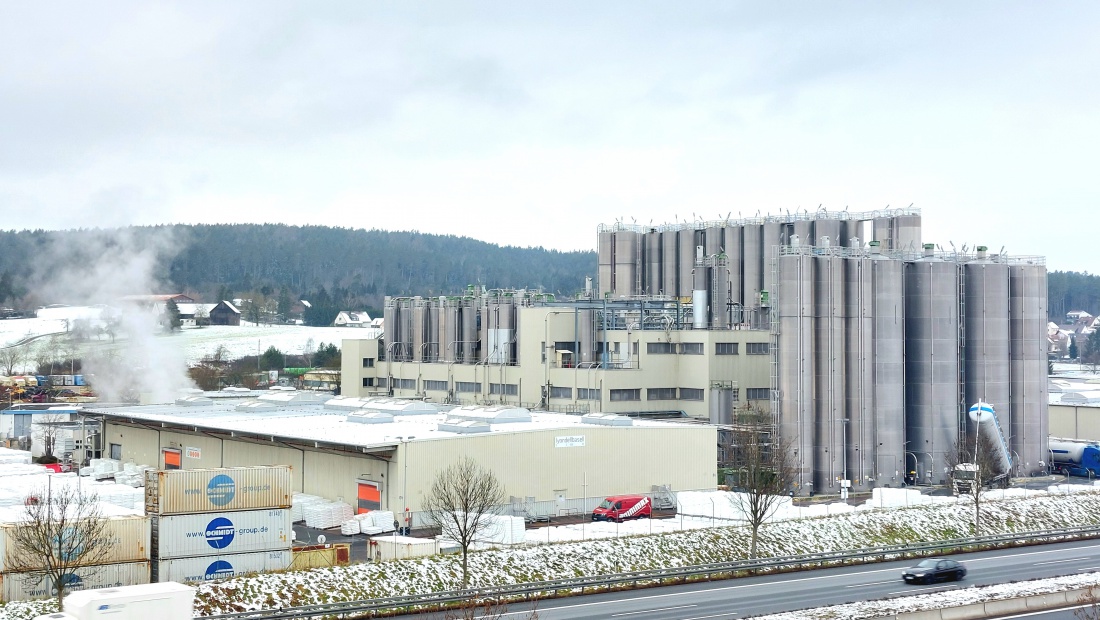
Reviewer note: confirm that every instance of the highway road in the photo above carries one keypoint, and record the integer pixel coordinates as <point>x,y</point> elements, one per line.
<point>753,596</point>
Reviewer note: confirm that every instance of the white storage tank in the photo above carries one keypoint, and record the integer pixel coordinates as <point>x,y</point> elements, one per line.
<point>163,601</point>
<point>129,538</point>
<point>212,567</point>
<point>181,536</point>
<point>386,548</point>
<point>187,491</point>
<point>16,587</point>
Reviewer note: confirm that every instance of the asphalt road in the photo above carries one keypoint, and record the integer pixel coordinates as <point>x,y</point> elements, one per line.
<point>752,596</point>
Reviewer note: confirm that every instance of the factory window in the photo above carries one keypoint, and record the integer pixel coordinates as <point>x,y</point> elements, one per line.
<point>691,348</point>
<point>467,387</point>
<point>725,348</point>
<point>587,394</point>
<point>757,393</point>
<point>435,386</point>
<point>691,394</point>
<point>404,384</point>
<point>368,362</point>
<point>382,382</point>
<point>618,395</point>
<point>659,348</point>
<point>561,392</point>
<point>368,381</point>
<point>507,389</point>
<point>116,451</point>
<point>756,348</point>
<point>654,394</point>
<point>735,395</point>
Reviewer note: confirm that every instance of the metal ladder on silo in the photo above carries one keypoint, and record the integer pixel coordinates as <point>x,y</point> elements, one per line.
<point>963,406</point>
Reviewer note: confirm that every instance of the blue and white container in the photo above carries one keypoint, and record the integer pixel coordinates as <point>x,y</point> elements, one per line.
<point>189,491</point>
<point>214,567</point>
<point>182,536</point>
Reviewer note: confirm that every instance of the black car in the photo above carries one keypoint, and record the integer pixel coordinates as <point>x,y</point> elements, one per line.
<point>934,569</point>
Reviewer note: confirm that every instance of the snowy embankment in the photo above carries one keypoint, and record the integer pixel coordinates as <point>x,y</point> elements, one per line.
<point>851,530</point>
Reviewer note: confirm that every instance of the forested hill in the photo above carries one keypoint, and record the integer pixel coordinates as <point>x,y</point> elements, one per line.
<point>357,266</point>
<point>1071,290</point>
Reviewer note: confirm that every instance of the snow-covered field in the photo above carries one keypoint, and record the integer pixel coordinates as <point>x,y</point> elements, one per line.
<point>633,549</point>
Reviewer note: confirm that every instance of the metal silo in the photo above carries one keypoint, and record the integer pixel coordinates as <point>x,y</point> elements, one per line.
<point>449,345</point>
<point>773,237</point>
<point>1027,327</point>
<point>389,325</point>
<point>586,336</point>
<point>669,270</point>
<point>626,263</point>
<point>883,231</point>
<point>907,233</point>
<point>685,261</point>
<point>805,231</point>
<point>987,335</point>
<point>828,228</point>
<point>888,350</point>
<point>720,300</point>
<point>859,370</point>
<point>752,264</point>
<point>605,248</point>
<point>700,276</point>
<point>470,336</point>
<point>830,457</point>
<point>712,239</point>
<point>419,329</point>
<point>653,257</point>
<point>795,362</point>
<point>932,415</point>
<point>732,247</point>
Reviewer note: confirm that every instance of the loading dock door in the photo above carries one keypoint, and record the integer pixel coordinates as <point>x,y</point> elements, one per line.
<point>370,497</point>
<point>173,458</point>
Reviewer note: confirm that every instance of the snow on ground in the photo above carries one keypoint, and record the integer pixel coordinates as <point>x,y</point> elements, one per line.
<point>633,549</point>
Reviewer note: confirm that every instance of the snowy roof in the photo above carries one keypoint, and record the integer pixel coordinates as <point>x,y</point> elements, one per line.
<point>316,423</point>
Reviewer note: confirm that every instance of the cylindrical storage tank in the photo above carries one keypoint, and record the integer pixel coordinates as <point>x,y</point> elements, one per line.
<point>250,531</point>
<point>16,587</point>
<point>405,329</point>
<point>653,256</point>
<point>805,231</point>
<point>218,566</point>
<point>449,344</point>
<point>733,249</point>
<point>626,264</point>
<point>685,240</point>
<point>435,330</point>
<point>888,352</point>
<point>699,309</point>
<point>987,335</point>
<point>419,328</point>
<point>605,249</point>
<point>795,372</point>
<point>1027,327</point>
<point>586,335</point>
<point>129,536</point>
<point>670,273</point>
<point>470,335</point>
<point>859,376</point>
<point>390,327</point>
<point>884,233</point>
<point>907,232</point>
<point>830,458</point>
<point>720,308</point>
<point>186,491</point>
<point>752,261</point>
<point>773,237</point>
<point>828,228</point>
<point>721,405</point>
<point>932,422</point>
<point>713,236</point>
<point>985,422</point>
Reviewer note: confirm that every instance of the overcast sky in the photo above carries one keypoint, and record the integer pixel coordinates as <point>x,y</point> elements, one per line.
<point>531,123</point>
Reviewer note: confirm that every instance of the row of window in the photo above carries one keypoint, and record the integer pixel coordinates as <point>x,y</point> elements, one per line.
<point>512,389</point>
<point>696,348</point>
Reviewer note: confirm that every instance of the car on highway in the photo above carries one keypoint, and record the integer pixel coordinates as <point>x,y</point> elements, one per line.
<point>931,570</point>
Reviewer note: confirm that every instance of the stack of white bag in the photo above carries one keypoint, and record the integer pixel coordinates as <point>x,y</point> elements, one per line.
<point>327,515</point>
<point>15,457</point>
<point>370,523</point>
<point>299,502</point>
<point>132,475</point>
<point>501,530</point>
<point>101,469</point>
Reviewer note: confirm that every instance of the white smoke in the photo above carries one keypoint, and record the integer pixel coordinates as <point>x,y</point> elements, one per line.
<point>130,354</point>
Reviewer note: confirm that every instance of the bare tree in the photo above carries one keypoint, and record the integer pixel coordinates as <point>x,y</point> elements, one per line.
<point>46,431</point>
<point>760,467</point>
<point>460,503</point>
<point>473,609</point>
<point>62,530</point>
<point>974,466</point>
<point>1090,604</point>
<point>12,356</point>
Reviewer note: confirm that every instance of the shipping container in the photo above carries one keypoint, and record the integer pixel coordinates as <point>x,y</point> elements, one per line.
<point>189,491</point>
<point>163,601</point>
<point>386,548</point>
<point>128,541</point>
<point>182,536</point>
<point>17,587</point>
<point>211,567</point>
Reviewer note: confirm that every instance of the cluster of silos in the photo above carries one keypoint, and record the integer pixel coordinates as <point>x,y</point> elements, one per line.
<point>880,353</point>
<point>661,260</point>
<point>477,327</point>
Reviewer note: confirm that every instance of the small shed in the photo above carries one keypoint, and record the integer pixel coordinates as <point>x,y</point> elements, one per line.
<point>352,318</point>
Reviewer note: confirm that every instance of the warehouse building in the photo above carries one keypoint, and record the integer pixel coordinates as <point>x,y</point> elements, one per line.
<point>375,453</point>
<point>866,345</point>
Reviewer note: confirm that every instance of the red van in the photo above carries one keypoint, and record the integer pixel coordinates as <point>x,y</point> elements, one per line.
<point>622,507</point>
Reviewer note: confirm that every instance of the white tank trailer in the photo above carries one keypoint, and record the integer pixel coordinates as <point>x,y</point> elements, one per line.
<point>1075,458</point>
